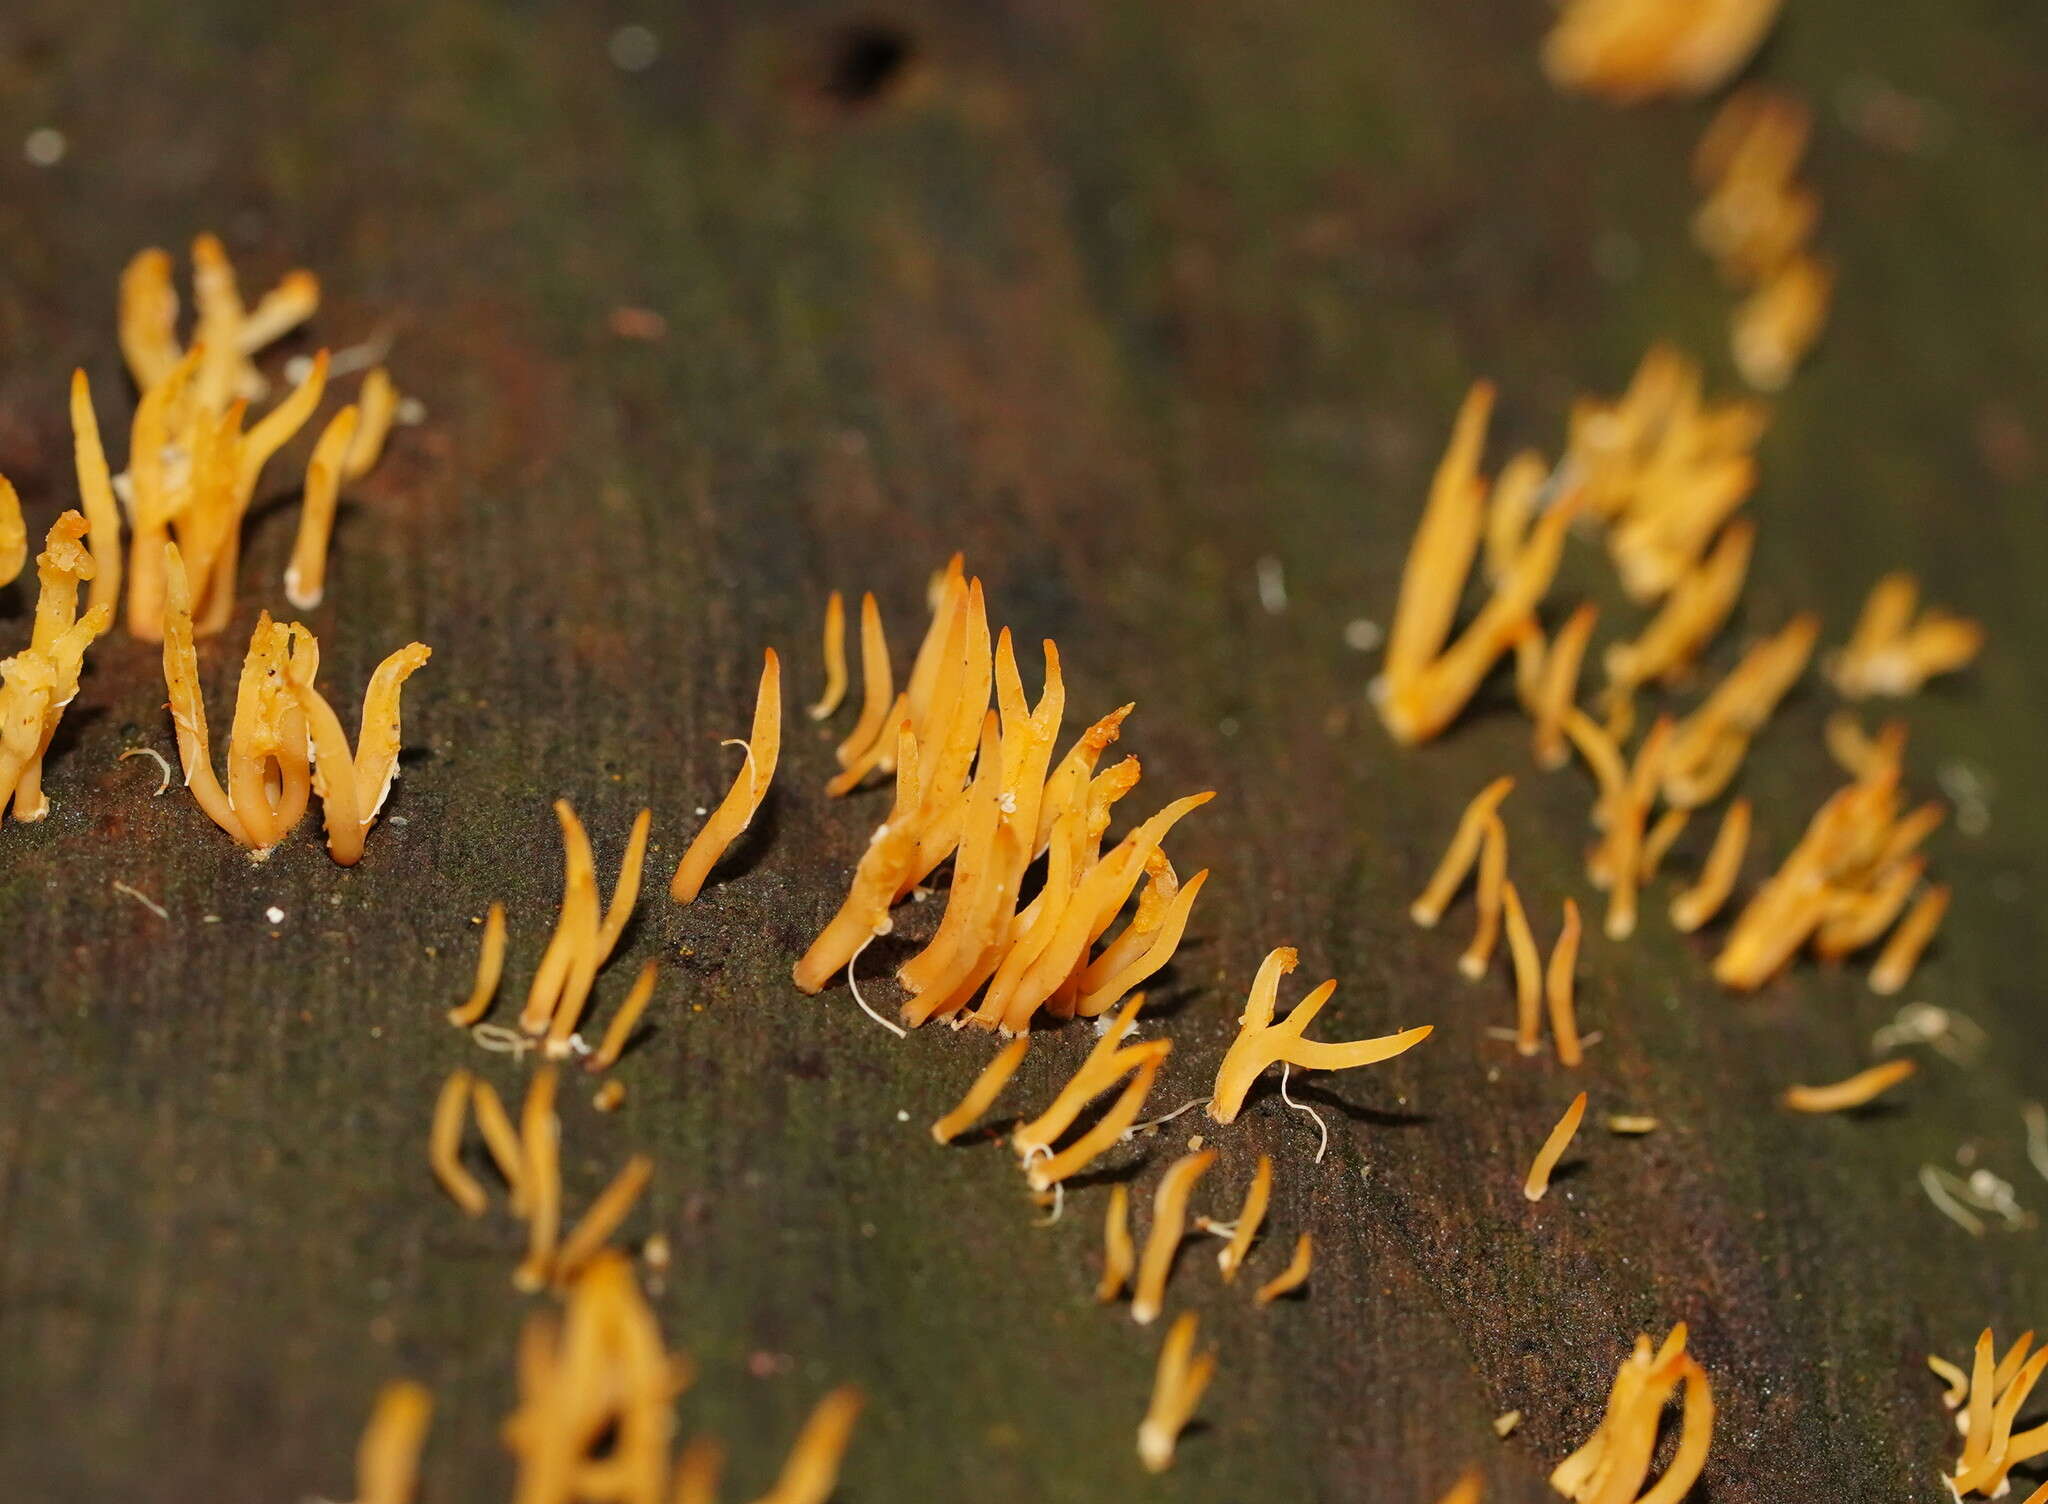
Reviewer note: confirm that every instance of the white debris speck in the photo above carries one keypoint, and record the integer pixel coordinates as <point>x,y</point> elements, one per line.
<point>1227,726</point>
<point>702,810</point>
<point>45,146</point>
<point>398,820</point>
<point>274,914</point>
<point>902,1116</point>
<point>410,412</point>
<point>1272,585</point>
<point>1362,636</point>
<point>633,49</point>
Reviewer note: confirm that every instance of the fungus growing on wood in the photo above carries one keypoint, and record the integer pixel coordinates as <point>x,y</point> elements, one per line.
<point>1119,1257</point>
<point>972,786</point>
<point>1558,686</point>
<point>540,1176</point>
<point>352,787</point>
<point>602,1218</point>
<point>40,680</point>
<point>736,811</point>
<point>1777,325</point>
<point>1461,854</point>
<point>1558,985</point>
<point>1690,617</point>
<point>1838,885</point>
<point>1246,1226</point>
<point>1896,647</point>
<point>1144,1061</point>
<point>1895,963</point>
<point>1614,1464</point>
<point>597,1389</point>
<point>620,1029</point>
<point>1176,1393</point>
<point>490,966</point>
<point>1708,746</point>
<point>1261,1043</point>
<point>1703,900</point>
<point>305,577</point>
<point>811,1471</point>
<point>1863,1087</point>
<point>1467,1490</point>
<point>1628,51</point>
<point>1493,874</point>
<point>1162,1239</point>
<point>581,942</point>
<point>1424,684</point>
<point>1997,1391</point>
<point>388,1457</point>
<point>1755,215</point>
<point>444,1145</point>
<point>1290,1279</point>
<point>507,1152</point>
<point>1528,973</point>
<point>376,409</point>
<point>13,533</point>
<point>982,1094</point>
<point>835,659</point>
<point>1664,468</point>
<point>1537,1183</point>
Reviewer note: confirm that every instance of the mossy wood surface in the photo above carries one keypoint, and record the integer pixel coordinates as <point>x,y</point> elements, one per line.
<point>1120,300</point>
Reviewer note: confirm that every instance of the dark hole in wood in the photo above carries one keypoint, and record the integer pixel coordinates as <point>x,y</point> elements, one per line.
<point>864,62</point>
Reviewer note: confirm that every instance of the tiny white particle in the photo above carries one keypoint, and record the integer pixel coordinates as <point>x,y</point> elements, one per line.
<point>209,919</point>
<point>1227,726</point>
<point>45,146</point>
<point>274,914</point>
<point>867,1229</point>
<point>410,412</point>
<point>1362,636</point>
<point>633,49</point>
<point>397,820</point>
<point>701,810</point>
<point>376,1031</point>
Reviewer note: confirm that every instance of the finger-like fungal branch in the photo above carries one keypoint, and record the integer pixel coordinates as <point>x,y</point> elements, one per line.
<point>490,966</point>
<point>1538,1180</point>
<point>1290,1279</point>
<point>736,811</point>
<point>305,577</point>
<point>40,680</point>
<point>1528,974</point>
<point>1615,1462</point>
<point>1896,647</point>
<point>1558,686</point>
<point>602,1218</point>
<point>1863,1087</point>
<point>1778,324</point>
<point>1627,51</point>
<point>1559,981</point>
<point>1163,1238</point>
<point>1895,963</point>
<point>1461,854</point>
<point>1703,900</point>
<point>1119,1256</point>
<point>1493,872</point>
<point>835,659</point>
<point>541,1177</point>
<point>1261,1043</point>
<point>1246,1228</point>
<point>811,1470</point>
<point>507,1151</point>
<point>1177,1388</point>
<point>444,1145</point>
<point>388,1457</point>
<point>988,1085</point>
<point>620,1030</point>
<point>1998,1388</point>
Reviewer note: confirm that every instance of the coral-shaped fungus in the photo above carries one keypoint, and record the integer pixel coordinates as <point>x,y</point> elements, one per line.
<point>1632,50</point>
<point>40,680</point>
<point>979,785</point>
<point>193,467</point>
<point>1615,1463</point>
<point>1987,1402</point>
<point>1896,647</point>
<point>1261,1043</point>
<point>1842,886</point>
<point>736,811</point>
<point>1424,684</point>
<point>286,741</point>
